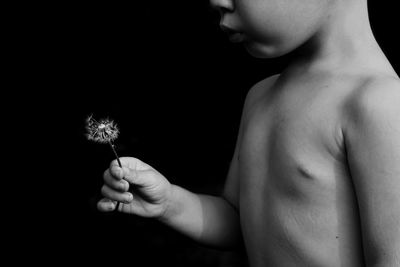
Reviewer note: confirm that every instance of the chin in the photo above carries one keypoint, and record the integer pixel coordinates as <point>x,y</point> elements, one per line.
<point>258,50</point>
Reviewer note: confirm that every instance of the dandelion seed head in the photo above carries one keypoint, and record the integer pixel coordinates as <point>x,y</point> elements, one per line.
<point>103,131</point>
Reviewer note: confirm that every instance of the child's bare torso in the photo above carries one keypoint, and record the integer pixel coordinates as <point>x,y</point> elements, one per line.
<point>296,199</point>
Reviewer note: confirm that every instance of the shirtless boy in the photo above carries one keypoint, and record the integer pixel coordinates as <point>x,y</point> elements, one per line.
<point>315,176</point>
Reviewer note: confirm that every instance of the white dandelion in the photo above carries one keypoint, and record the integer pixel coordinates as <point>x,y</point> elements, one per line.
<point>104,131</point>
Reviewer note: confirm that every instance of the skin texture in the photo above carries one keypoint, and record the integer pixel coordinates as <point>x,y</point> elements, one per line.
<point>306,184</point>
<point>270,28</point>
<point>315,177</point>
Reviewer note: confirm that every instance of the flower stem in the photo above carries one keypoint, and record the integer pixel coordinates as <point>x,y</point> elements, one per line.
<point>115,153</point>
<point>120,165</point>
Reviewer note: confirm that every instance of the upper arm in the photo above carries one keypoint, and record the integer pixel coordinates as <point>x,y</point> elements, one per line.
<point>231,188</point>
<point>372,139</point>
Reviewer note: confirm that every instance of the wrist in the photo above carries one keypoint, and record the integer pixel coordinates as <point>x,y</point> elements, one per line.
<point>172,205</point>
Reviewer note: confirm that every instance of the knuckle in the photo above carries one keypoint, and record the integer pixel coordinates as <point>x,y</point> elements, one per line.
<point>114,163</point>
<point>125,185</point>
<point>121,186</point>
<point>104,190</point>
<point>105,174</point>
<point>116,171</point>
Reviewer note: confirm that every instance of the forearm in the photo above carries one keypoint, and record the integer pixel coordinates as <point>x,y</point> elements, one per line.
<point>209,220</point>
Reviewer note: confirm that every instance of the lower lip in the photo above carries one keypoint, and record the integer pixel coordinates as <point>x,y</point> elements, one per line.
<point>236,38</point>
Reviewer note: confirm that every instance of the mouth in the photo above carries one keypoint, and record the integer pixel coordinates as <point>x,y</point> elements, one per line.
<point>236,37</point>
<point>233,35</point>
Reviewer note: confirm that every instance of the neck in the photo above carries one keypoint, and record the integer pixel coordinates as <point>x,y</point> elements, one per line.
<point>344,39</point>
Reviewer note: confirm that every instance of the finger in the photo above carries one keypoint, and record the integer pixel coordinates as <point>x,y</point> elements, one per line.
<point>112,194</point>
<point>115,183</point>
<point>117,172</point>
<point>106,205</point>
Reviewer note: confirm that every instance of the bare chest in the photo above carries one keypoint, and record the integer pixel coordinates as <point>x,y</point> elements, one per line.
<point>295,191</point>
<point>291,145</point>
<point>295,195</point>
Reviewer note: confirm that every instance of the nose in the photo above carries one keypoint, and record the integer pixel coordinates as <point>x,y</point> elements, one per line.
<point>223,6</point>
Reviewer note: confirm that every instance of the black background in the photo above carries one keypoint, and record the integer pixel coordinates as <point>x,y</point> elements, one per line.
<point>175,86</point>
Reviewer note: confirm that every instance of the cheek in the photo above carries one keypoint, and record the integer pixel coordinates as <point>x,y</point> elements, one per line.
<point>258,18</point>
<point>275,31</point>
<point>269,37</point>
<point>264,21</point>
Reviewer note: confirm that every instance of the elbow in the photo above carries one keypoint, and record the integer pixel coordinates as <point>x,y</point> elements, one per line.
<point>230,203</point>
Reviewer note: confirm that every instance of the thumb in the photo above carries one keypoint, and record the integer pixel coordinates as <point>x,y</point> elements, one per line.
<point>140,177</point>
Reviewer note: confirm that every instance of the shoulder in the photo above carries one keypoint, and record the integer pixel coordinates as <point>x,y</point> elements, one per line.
<point>259,89</point>
<point>375,94</point>
<point>376,99</point>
